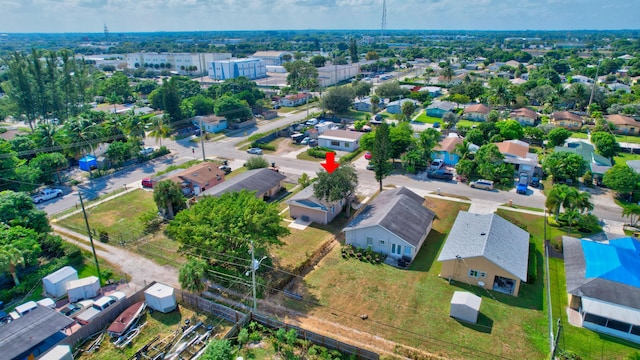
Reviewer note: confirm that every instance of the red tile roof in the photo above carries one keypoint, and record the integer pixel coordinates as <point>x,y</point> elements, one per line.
<point>513,148</point>
<point>565,115</point>
<point>618,119</point>
<point>448,144</point>
<point>478,108</point>
<point>524,112</point>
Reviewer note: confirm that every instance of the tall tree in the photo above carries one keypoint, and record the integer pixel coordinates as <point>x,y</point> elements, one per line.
<point>564,165</point>
<point>338,99</point>
<point>17,209</point>
<point>606,144</point>
<point>168,196</point>
<point>558,136</point>
<point>353,50</point>
<point>171,99</point>
<point>381,153</point>
<point>158,128</point>
<point>302,75</point>
<point>10,259</point>
<point>408,108</point>
<point>339,185</point>
<point>50,165</point>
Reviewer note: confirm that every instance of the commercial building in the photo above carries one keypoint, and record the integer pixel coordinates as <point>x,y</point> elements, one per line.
<point>183,63</point>
<point>273,57</point>
<point>333,74</point>
<point>233,68</point>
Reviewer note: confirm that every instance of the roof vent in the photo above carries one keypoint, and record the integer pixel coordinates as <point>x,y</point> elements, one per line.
<point>483,234</point>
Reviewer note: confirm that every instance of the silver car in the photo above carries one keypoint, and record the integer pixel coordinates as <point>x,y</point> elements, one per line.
<point>482,184</point>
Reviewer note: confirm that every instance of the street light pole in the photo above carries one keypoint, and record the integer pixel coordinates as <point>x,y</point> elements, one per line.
<point>202,140</point>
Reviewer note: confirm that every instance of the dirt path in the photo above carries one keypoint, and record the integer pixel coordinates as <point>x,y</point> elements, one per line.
<point>141,269</point>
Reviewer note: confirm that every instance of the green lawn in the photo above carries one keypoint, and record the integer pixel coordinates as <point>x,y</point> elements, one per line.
<point>628,138</point>
<point>412,306</point>
<point>623,157</point>
<point>423,118</point>
<point>579,135</point>
<point>467,123</point>
<point>118,217</point>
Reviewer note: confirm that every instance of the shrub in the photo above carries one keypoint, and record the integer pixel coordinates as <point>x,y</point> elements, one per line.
<point>256,162</point>
<point>532,273</point>
<point>351,156</point>
<point>263,146</point>
<point>319,152</point>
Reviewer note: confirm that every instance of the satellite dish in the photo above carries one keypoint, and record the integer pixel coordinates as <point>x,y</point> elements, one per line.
<point>481,283</point>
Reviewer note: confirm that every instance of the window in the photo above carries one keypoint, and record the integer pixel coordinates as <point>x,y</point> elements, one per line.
<point>335,143</point>
<point>369,241</point>
<point>346,145</point>
<point>477,274</point>
<point>381,242</point>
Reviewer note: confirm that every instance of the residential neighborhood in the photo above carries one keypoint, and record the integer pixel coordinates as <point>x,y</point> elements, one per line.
<point>320,195</point>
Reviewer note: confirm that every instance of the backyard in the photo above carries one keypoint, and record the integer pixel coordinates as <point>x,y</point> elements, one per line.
<point>418,315</point>
<point>424,118</point>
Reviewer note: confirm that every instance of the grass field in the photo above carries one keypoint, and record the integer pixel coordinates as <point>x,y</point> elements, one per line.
<point>623,157</point>
<point>423,118</point>
<point>158,324</point>
<point>579,135</point>
<point>467,123</point>
<point>412,306</point>
<point>118,217</point>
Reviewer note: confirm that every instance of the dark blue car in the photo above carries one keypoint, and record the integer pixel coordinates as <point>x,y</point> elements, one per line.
<point>521,189</point>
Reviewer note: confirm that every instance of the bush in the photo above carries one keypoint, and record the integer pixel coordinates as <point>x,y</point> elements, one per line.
<point>263,146</point>
<point>319,152</point>
<point>256,162</point>
<point>532,273</point>
<point>351,156</point>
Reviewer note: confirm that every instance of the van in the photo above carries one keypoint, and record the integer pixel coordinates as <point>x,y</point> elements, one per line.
<point>482,184</point>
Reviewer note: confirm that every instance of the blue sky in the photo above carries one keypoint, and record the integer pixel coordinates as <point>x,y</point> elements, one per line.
<point>185,15</point>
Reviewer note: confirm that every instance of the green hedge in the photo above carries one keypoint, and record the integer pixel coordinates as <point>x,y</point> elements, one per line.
<point>532,273</point>
<point>266,146</point>
<point>351,156</point>
<point>319,152</point>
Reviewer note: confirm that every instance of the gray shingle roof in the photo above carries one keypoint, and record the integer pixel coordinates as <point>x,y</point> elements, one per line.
<point>491,237</point>
<point>259,180</point>
<point>400,211</point>
<point>305,197</point>
<point>595,288</point>
<point>30,330</point>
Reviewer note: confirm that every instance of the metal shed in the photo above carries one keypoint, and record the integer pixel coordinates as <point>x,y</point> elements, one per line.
<point>84,288</point>
<point>465,306</point>
<point>161,298</point>
<point>55,283</point>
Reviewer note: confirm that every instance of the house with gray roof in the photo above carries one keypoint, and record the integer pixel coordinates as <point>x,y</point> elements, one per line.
<point>394,223</point>
<point>265,182</point>
<point>306,206</point>
<point>486,250</point>
<point>603,284</point>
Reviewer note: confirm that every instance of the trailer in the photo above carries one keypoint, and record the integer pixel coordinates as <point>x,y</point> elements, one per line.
<point>55,283</point>
<point>84,288</point>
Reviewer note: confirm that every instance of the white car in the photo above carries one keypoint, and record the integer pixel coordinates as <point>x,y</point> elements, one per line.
<point>255,151</point>
<point>47,194</point>
<point>312,122</point>
<point>146,151</point>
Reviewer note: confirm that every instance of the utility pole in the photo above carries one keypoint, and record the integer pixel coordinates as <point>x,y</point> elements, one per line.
<point>593,87</point>
<point>86,222</point>
<point>202,135</point>
<point>555,345</point>
<point>255,264</point>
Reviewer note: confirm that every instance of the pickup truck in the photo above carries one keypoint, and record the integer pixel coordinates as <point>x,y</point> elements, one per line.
<point>46,194</point>
<point>98,306</point>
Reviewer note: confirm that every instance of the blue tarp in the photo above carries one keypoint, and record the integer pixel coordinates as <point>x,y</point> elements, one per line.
<point>619,260</point>
<point>88,162</point>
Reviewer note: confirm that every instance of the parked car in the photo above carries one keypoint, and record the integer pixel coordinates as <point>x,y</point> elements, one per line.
<point>255,151</point>
<point>98,306</point>
<point>535,182</point>
<point>482,184</point>
<point>312,122</point>
<point>70,309</point>
<point>225,168</point>
<point>147,183</point>
<point>440,175</point>
<point>437,164</point>
<point>521,189</point>
<point>370,166</point>
<point>367,155</point>
<point>523,179</point>
<point>46,194</point>
<point>313,142</point>
<point>436,125</point>
<point>146,151</point>
<point>305,141</point>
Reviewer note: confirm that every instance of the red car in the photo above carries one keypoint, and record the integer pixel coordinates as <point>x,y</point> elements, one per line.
<point>367,155</point>
<point>147,183</point>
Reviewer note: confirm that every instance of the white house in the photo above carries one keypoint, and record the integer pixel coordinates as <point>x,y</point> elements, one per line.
<point>394,223</point>
<point>342,140</point>
<point>233,68</point>
<point>295,99</point>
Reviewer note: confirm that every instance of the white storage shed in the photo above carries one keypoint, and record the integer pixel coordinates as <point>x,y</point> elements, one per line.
<point>58,352</point>
<point>161,298</point>
<point>47,302</point>
<point>55,284</point>
<point>84,288</point>
<point>465,306</point>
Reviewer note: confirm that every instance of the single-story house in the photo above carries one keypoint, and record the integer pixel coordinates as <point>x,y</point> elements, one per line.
<point>439,108</point>
<point>342,140</point>
<point>305,205</point>
<point>566,120</point>
<point>525,116</point>
<point>616,86</point>
<point>265,182</point>
<point>33,334</point>
<point>596,163</point>
<point>455,80</point>
<point>603,284</point>
<point>364,104</point>
<point>395,107</point>
<point>624,124</point>
<point>434,91</point>
<point>518,81</point>
<point>486,250</point>
<point>210,123</point>
<point>295,99</point>
<point>476,112</point>
<point>394,223</point>
<point>516,152</point>
<point>581,79</point>
<point>198,178</point>
<point>445,150</point>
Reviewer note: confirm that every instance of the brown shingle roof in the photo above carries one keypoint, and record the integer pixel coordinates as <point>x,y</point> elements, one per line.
<point>448,144</point>
<point>524,112</point>
<point>202,173</point>
<point>477,108</point>
<point>618,119</point>
<point>513,148</point>
<point>210,119</point>
<point>565,115</point>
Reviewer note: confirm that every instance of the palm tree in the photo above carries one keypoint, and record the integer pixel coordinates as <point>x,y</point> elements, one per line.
<point>571,215</point>
<point>10,258</point>
<point>46,135</point>
<point>447,73</point>
<point>191,275</point>
<point>83,131</point>
<point>167,195</point>
<point>462,150</point>
<point>583,202</point>
<point>135,127</point>
<point>632,212</point>
<point>159,129</point>
<point>558,197</point>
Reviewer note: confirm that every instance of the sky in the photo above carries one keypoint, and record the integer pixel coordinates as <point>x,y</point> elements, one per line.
<point>56,16</point>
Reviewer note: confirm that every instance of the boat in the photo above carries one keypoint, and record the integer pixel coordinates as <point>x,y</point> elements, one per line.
<point>124,321</point>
